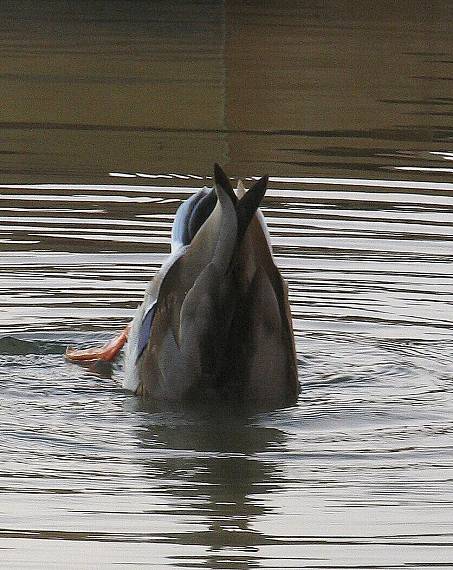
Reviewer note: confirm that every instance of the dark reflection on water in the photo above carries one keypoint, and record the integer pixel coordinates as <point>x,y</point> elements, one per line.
<point>215,471</point>
<point>171,87</point>
<point>112,114</point>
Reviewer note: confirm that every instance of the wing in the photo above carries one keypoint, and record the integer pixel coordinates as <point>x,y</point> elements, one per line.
<point>187,287</point>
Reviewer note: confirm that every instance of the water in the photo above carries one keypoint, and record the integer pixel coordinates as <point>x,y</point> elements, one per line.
<point>112,113</point>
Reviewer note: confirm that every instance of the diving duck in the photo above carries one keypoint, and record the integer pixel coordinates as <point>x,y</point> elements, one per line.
<point>215,322</point>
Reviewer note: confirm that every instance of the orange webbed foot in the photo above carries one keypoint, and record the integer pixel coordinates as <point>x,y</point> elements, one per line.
<point>108,352</point>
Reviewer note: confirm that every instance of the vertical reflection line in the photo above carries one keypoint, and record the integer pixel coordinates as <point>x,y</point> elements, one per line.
<point>224,135</point>
<point>426,21</point>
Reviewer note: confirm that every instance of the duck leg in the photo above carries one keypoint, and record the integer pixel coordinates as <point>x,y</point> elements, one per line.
<point>107,352</point>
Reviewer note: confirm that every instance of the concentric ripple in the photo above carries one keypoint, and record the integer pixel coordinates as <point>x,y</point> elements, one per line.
<point>358,474</point>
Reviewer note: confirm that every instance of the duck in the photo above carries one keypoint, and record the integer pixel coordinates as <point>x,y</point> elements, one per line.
<point>215,322</point>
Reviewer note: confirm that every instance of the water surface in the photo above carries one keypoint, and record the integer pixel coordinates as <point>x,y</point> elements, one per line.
<point>113,114</point>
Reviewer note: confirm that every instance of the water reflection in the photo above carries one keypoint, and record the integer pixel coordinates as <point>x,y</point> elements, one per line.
<point>217,469</point>
<point>175,86</point>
